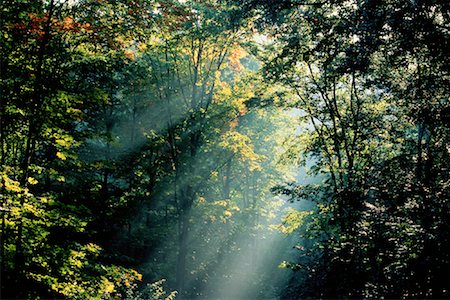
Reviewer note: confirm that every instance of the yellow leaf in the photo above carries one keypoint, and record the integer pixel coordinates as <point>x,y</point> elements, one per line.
<point>129,54</point>
<point>11,185</point>
<point>109,287</point>
<point>62,143</point>
<point>142,47</point>
<point>32,181</point>
<point>61,155</point>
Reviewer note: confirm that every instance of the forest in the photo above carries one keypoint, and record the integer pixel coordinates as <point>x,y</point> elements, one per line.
<point>224,149</point>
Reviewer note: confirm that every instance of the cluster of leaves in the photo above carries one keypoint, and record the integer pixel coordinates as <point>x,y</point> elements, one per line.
<point>47,246</point>
<point>370,79</point>
<point>133,127</point>
<point>125,128</point>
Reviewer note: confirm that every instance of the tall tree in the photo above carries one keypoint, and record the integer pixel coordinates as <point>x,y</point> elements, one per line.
<point>359,73</point>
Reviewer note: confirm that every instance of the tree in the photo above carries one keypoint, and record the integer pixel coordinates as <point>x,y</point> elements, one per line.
<point>345,64</point>
<point>44,245</point>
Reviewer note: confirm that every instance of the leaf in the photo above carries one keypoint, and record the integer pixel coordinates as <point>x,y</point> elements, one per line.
<point>61,155</point>
<point>32,181</point>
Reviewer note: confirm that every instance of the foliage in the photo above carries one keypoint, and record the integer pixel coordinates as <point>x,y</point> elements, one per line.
<point>149,137</point>
<point>152,291</point>
<point>359,72</point>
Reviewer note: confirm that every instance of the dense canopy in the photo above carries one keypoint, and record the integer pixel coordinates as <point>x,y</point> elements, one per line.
<point>224,149</point>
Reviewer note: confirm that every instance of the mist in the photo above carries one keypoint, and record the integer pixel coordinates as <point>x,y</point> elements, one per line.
<point>233,248</point>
